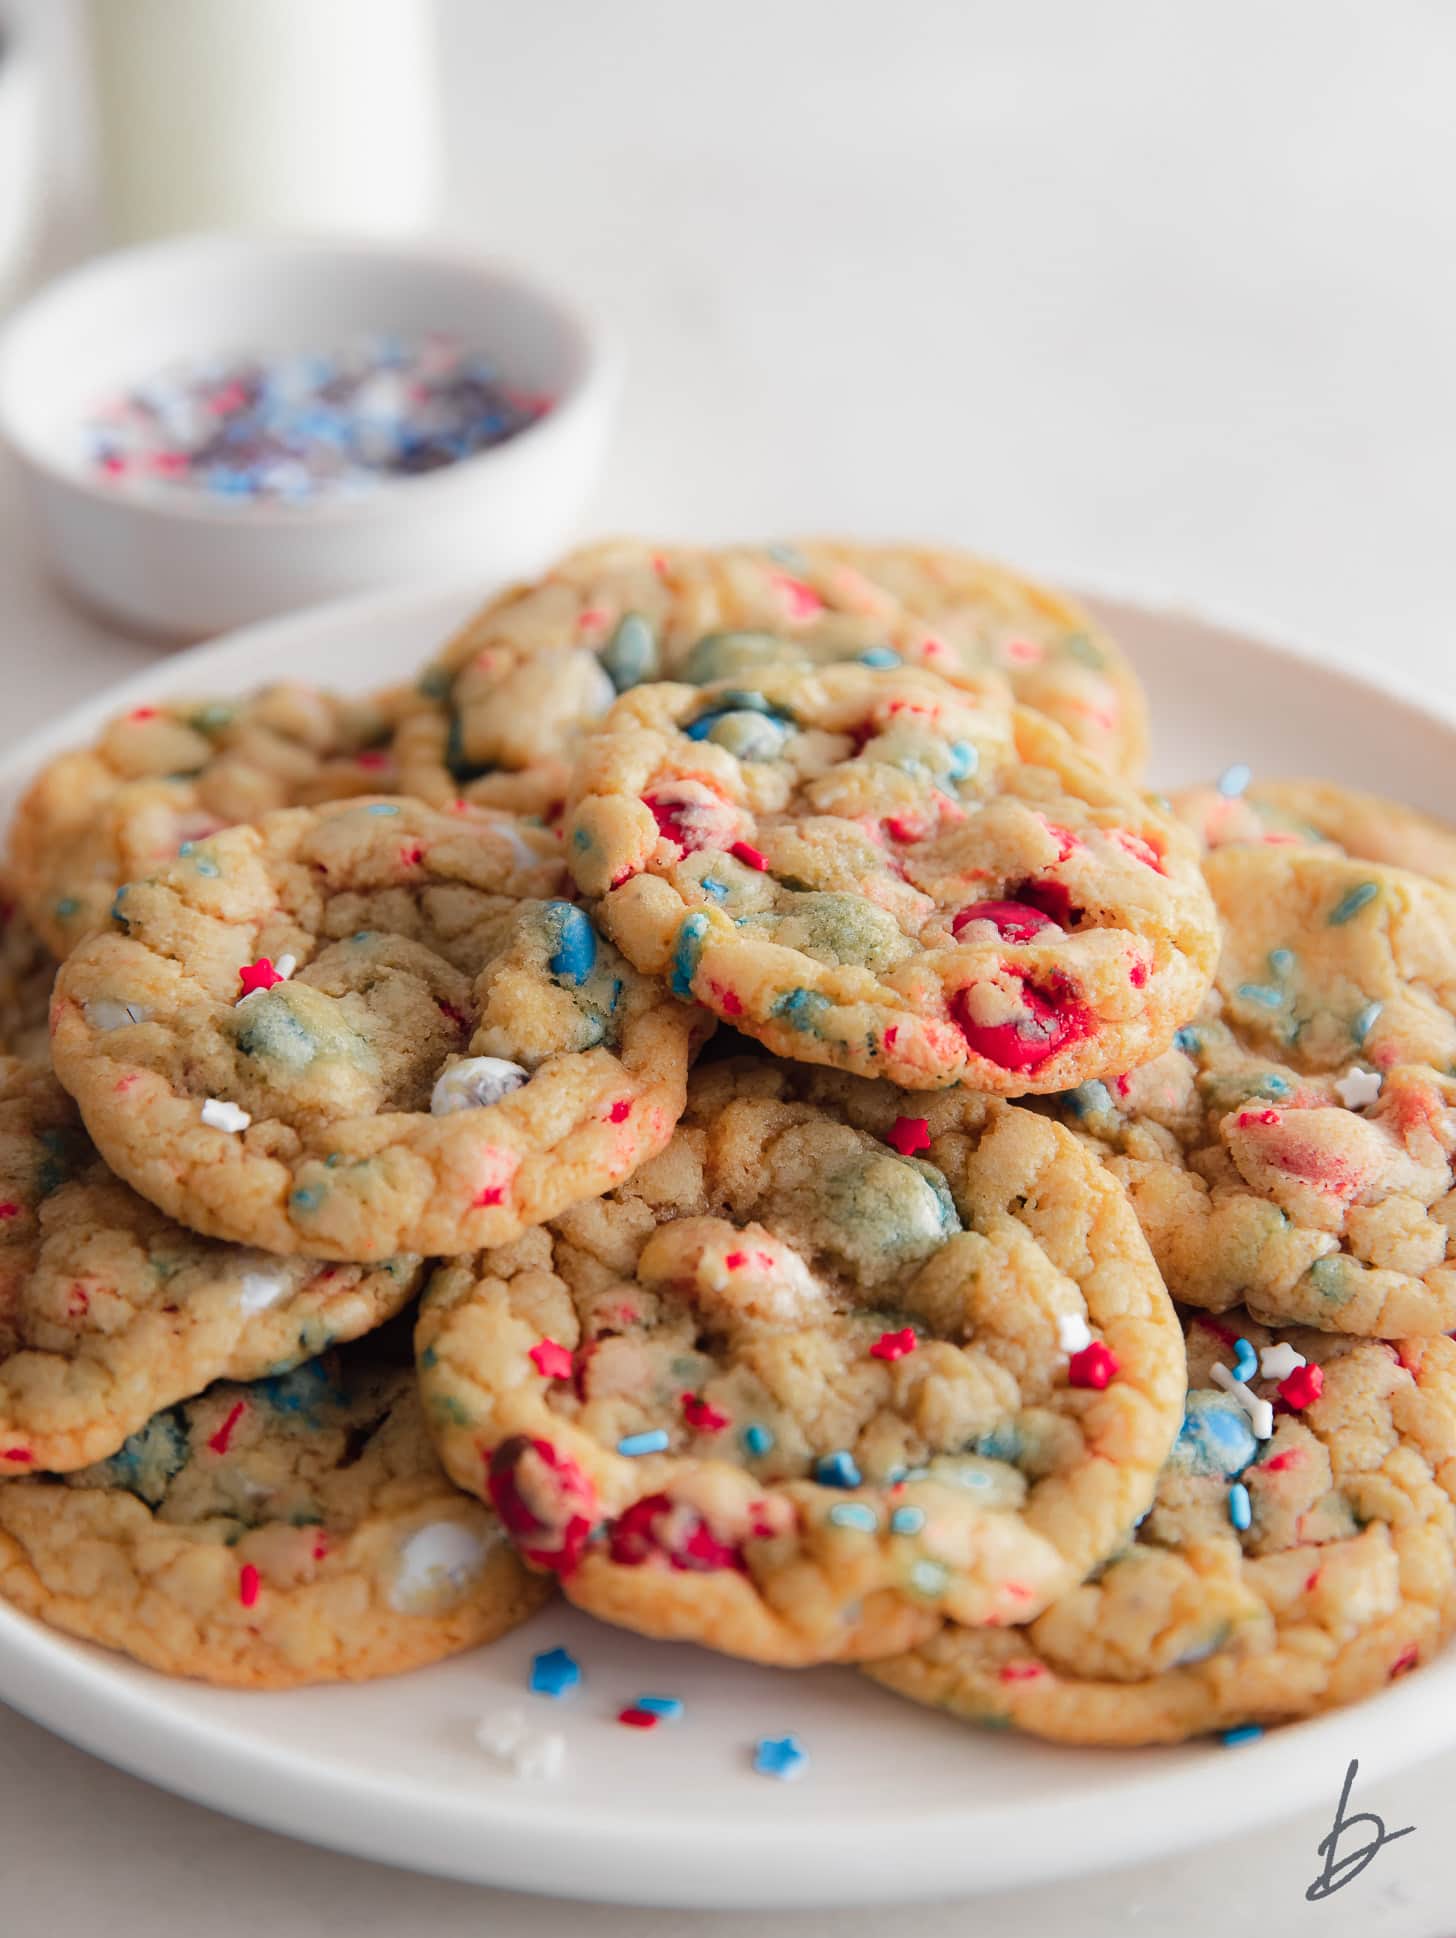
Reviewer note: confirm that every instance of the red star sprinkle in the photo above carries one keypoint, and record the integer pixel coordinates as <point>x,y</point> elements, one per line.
<point>219,1440</point>
<point>258,975</point>
<point>702,1417</point>
<point>750,856</point>
<point>493,1194</point>
<point>1303,1386</point>
<point>551,1359</point>
<point>894,1345</point>
<point>908,1135</point>
<point>620,1111</point>
<point>1095,1366</point>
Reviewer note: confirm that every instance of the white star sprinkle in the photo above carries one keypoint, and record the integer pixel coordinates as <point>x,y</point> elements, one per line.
<point>1358,1087</point>
<point>537,1755</point>
<point>1278,1362</point>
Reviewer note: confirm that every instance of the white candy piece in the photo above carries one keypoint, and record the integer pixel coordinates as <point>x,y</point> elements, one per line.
<point>434,1560</point>
<point>1073,1333</point>
<point>224,1116</point>
<point>285,966</point>
<point>475,1082</point>
<point>1260,1412</point>
<point>537,1755</point>
<point>258,1290</point>
<point>1278,1362</point>
<point>1358,1087</point>
<point>104,1015</point>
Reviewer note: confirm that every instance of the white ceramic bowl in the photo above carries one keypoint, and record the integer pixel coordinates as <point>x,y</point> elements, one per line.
<point>174,561</point>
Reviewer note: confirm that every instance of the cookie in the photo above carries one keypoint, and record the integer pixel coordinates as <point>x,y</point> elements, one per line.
<point>819,1375</point>
<point>294,1530</point>
<point>1293,1152</point>
<point>110,1312</point>
<point>162,775</point>
<point>27,975</point>
<point>1050,650</point>
<point>1291,813</point>
<point>499,713</point>
<point>869,868</point>
<point>344,1032</point>
<point>1273,1579</point>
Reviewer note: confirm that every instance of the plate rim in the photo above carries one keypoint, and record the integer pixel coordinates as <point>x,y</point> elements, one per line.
<point>512,1837</point>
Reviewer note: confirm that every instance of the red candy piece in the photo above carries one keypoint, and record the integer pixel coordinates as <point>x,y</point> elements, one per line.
<point>551,1359</point>
<point>1140,850</point>
<point>657,1528</point>
<point>1095,1366</point>
<point>701,1415</point>
<point>620,1111</point>
<point>636,1718</point>
<point>1052,899</point>
<point>545,1500</point>
<point>371,761</point>
<point>1048,1025</point>
<point>750,856</point>
<point>1302,1387</point>
<point>22,1456</point>
<point>908,1135</point>
<point>1015,921</point>
<point>1247,1117</point>
<point>248,1584</point>
<point>9,1209</point>
<point>258,975</point>
<point>894,1345</point>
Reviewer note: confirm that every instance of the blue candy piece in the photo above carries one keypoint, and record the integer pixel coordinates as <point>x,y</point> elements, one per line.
<point>853,1514</point>
<point>1215,1438</point>
<point>1365,1021</point>
<point>1240,1507</point>
<point>1188,1041</point>
<point>555,1672</point>
<point>1233,780</point>
<point>574,953</point>
<point>801,1009</point>
<point>757,1440</point>
<point>907,1520</point>
<point>1245,1733</point>
<point>965,758</point>
<point>879,656</point>
<point>630,655</point>
<point>837,1470</point>
<point>1246,1361</point>
<point>686,956</point>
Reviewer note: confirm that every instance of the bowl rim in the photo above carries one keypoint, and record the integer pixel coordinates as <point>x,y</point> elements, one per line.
<point>598,358</point>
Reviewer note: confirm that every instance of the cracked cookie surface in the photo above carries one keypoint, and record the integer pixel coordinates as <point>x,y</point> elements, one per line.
<point>869,868</point>
<point>293,1530</point>
<point>161,775</point>
<point>447,1060</point>
<point>1344,1577</point>
<point>499,714</point>
<point>820,1374</point>
<point>110,1312</point>
<point>1294,1150</point>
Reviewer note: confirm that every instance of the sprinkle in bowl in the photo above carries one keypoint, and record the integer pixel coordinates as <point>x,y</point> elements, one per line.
<point>509,392</point>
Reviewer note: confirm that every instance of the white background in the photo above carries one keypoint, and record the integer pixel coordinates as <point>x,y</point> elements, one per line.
<point>1154,293</point>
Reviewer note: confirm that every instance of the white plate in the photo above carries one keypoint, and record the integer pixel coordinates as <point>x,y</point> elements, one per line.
<point>898,1803</point>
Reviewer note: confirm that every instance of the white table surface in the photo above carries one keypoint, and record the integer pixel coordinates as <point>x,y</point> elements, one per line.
<point>1156,295</point>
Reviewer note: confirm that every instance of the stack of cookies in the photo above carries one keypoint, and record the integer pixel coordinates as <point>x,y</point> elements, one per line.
<point>724,1098</point>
